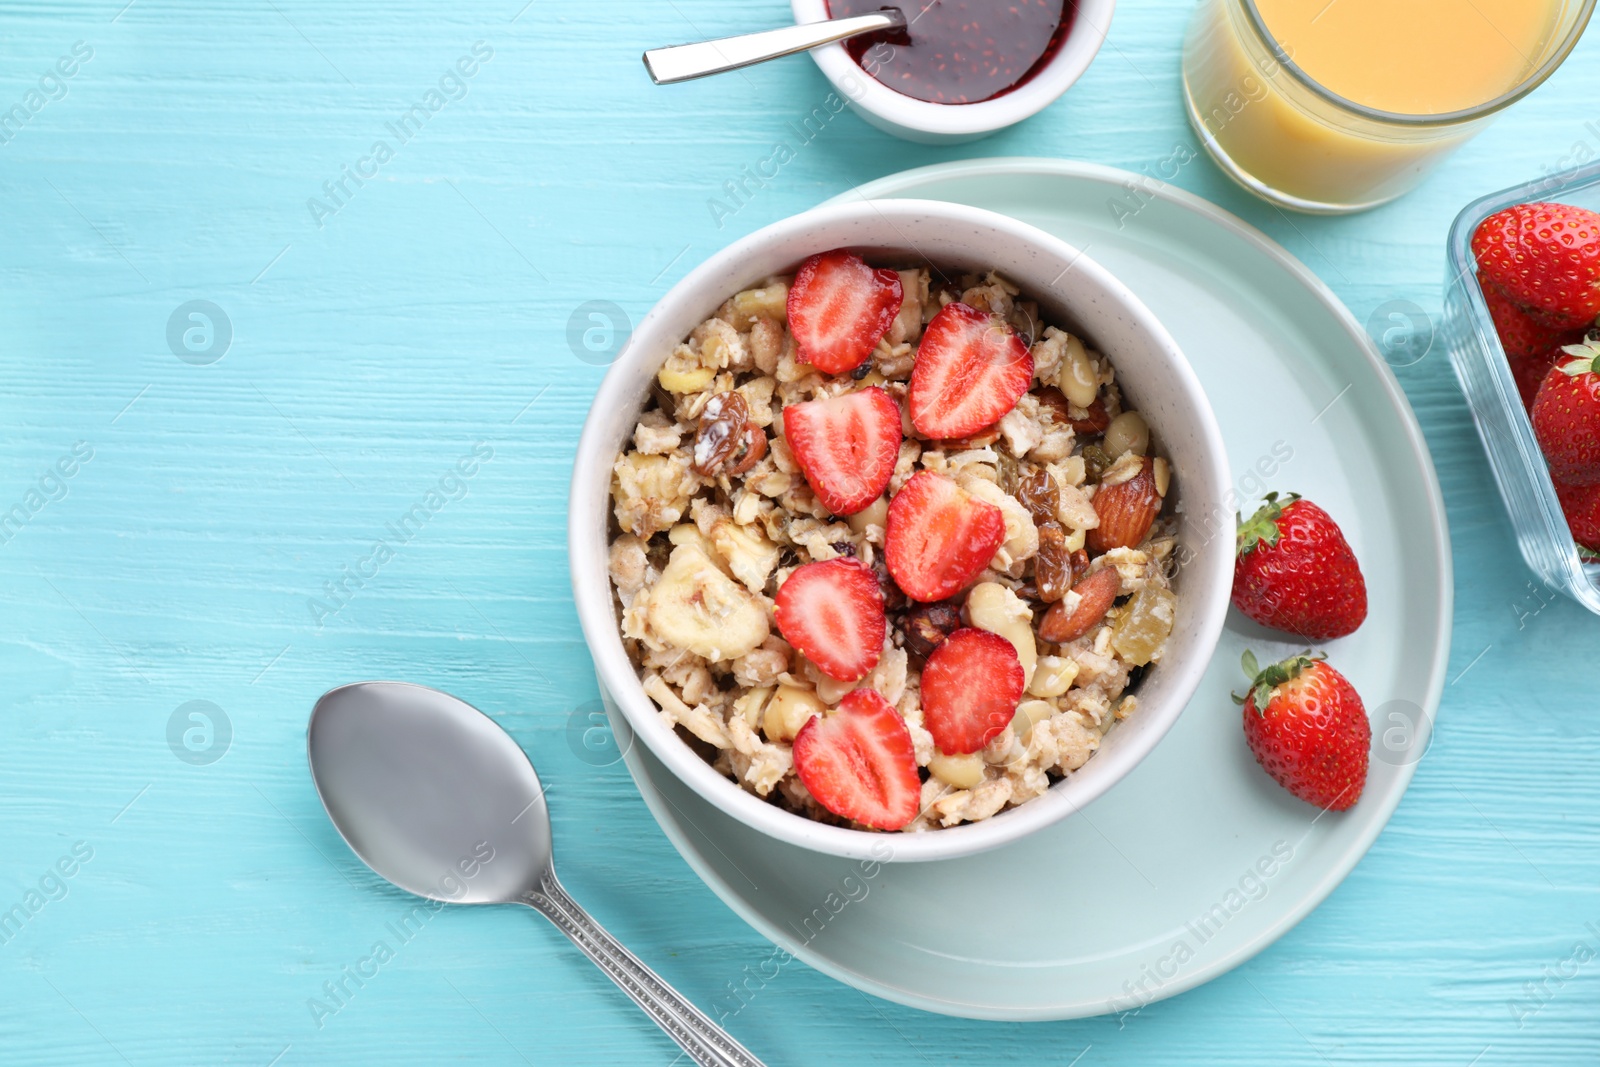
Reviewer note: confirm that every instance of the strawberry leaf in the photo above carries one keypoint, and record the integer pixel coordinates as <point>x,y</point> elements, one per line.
<point>1262,527</point>
<point>1251,667</point>
<point>1270,678</point>
<point>1587,361</point>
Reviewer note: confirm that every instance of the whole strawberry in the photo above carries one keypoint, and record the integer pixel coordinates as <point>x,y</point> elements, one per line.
<point>1546,257</point>
<point>1566,416</point>
<point>1308,729</point>
<point>1294,571</point>
<point>1529,373</point>
<point>1581,505</point>
<point>1520,336</point>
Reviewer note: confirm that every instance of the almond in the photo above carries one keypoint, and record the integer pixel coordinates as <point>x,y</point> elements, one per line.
<point>1094,420</point>
<point>981,439</point>
<point>1054,403</point>
<point>1094,597</point>
<point>1126,511</point>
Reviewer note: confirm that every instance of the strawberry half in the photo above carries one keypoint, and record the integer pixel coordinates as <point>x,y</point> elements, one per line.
<point>857,761</point>
<point>1546,257</point>
<point>840,308</point>
<point>832,611</point>
<point>971,368</point>
<point>1294,571</point>
<point>970,689</point>
<point>939,537</point>
<point>1308,729</point>
<point>846,446</point>
<point>1566,415</point>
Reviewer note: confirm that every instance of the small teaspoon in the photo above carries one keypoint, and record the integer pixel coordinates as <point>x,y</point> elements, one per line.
<point>686,61</point>
<point>434,796</point>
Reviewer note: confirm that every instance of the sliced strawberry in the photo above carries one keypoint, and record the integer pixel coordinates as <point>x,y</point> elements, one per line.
<point>839,308</point>
<point>939,537</point>
<point>969,371</point>
<point>832,611</point>
<point>846,446</point>
<point>858,762</point>
<point>970,689</point>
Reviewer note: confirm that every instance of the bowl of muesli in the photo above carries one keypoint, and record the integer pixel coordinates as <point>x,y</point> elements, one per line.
<point>902,522</point>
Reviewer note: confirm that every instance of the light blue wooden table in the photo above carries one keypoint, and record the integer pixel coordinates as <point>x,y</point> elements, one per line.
<point>423,313</point>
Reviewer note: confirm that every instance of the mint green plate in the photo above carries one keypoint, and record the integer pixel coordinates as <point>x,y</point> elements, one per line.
<point>1196,861</point>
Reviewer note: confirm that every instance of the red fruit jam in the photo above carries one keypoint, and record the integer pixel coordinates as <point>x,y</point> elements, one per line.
<point>960,51</point>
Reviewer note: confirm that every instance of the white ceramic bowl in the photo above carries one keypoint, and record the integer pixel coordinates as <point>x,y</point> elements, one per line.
<point>1072,290</point>
<point>930,123</point>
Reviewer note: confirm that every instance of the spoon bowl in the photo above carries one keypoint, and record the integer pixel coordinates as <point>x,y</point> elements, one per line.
<point>430,792</point>
<point>437,798</point>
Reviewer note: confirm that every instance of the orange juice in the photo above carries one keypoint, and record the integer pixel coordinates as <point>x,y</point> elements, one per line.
<point>1415,57</point>
<point>1339,105</point>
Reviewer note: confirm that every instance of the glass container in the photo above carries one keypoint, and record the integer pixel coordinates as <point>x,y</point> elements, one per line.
<point>1485,377</point>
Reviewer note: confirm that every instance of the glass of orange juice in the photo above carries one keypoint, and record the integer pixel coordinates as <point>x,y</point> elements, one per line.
<point>1332,106</point>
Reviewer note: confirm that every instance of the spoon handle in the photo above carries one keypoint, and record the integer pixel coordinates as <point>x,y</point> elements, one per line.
<point>685,61</point>
<point>704,1041</point>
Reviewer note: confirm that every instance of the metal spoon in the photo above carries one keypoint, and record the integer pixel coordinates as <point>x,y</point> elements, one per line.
<point>434,796</point>
<point>685,61</point>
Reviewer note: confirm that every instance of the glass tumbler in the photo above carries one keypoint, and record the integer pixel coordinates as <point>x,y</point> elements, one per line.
<point>1294,143</point>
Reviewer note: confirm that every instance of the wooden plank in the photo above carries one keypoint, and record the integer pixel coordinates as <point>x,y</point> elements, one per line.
<point>424,315</point>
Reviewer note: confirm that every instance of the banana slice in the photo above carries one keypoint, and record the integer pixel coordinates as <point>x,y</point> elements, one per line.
<point>683,372</point>
<point>694,606</point>
<point>750,555</point>
<point>687,533</point>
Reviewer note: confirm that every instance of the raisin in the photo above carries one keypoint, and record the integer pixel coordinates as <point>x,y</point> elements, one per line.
<point>722,432</point>
<point>1052,567</point>
<point>1095,462</point>
<point>862,371</point>
<point>844,548</point>
<point>927,625</point>
<point>893,597</point>
<point>1040,495</point>
<point>755,447</point>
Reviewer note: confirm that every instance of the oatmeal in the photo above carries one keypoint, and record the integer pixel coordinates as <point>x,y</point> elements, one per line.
<point>888,549</point>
